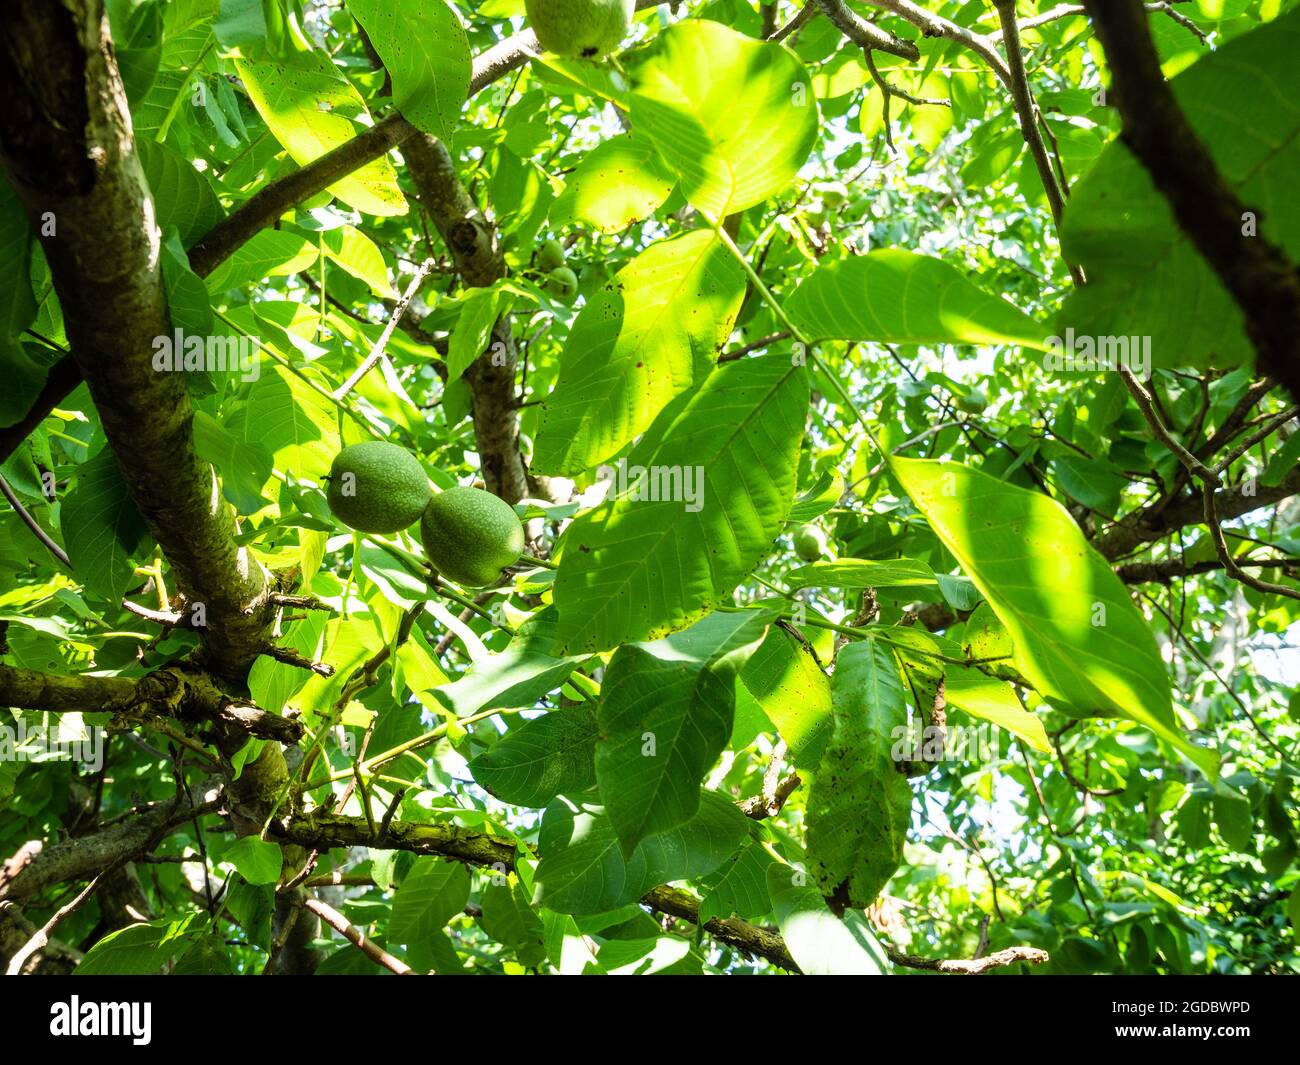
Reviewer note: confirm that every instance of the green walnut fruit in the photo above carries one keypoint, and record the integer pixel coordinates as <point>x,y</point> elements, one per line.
<point>562,284</point>
<point>809,543</point>
<point>470,536</point>
<point>973,402</point>
<point>550,256</point>
<point>583,28</point>
<point>833,194</point>
<point>377,487</point>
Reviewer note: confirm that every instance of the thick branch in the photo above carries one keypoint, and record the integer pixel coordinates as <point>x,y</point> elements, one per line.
<point>265,207</point>
<point>1172,568</point>
<point>321,831</point>
<point>472,240</point>
<point>973,967</point>
<point>1137,529</point>
<point>864,34</point>
<point>66,146</point>
<point>1256,272</point>
<point>167,692</point>
<point>40,867</point>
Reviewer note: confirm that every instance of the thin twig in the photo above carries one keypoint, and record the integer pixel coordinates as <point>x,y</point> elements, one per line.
<point>377,352</point>
<point>32,524</point>
<point>357,938</point>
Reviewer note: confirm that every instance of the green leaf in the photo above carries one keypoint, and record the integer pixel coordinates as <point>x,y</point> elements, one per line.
<point>664,955</point>
<point>1145,278</point>
<point>619,182</point>
<point>582,869</point>
<point>432,893</point>
<point>102,530</point>
<point>182,196</point>
<point>310,106</point>
<point>292,421</point>
<point>1091,482</point>
<point>859,806</point>
<point>820,498</point>
<point>360,257</point>
<point>665,715</point>
<point>137,950</point>
<point>1078,637</point>
<point>895,296</point>
<point>1193,820</point>
<point>786,681</point>
<point>271,253</point>
<point>821,943</point>
<point>253,906</point>
<point>1232,817</point>
<point>240,22</point>
<point>965,687</point>
<point>517,676</point>
<point>862,573</point>
<point>648,335</point>
<point>258,861</point>
<point>17,303</point>
<point>636,568</point>
<point>24,377</point>
<point>138,48</point>
<point>425,50</point>
<point>738,888</point>
<point>993,700</point>
<point>548,756</point>
<point>244,466</point>
<point>205,957</point>
<point>480,309</point>
<point>509,919</point>
<point>272,683</point>
<point>187,296</point>
<point>731,150</point>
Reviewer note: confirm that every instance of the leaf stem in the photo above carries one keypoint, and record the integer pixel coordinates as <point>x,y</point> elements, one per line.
<point>770,299</point>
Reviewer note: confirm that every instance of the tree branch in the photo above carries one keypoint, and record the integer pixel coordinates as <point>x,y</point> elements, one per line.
<point>937,26</point>
<point>864,34</point>
<point>1262,280</point>
<point>169,692</point>
<point>472,240</point>
<point>1027,113</point>
<point>63,378</point>
<point>66,147</point>
<point>323,831</point>
<point>38,867</point>
<point>975,966</point>
<point>356,937</point>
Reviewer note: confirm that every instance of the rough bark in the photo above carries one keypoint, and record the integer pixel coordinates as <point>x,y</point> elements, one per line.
<point>174,692</point>
<point>67,148</point>
<point>37,867</point>
<point>472,240</point>
<point>1257,273</point>
<point>1136,529</point>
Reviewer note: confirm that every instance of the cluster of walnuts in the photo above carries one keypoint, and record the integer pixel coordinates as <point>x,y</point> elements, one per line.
<point>469,535</point>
